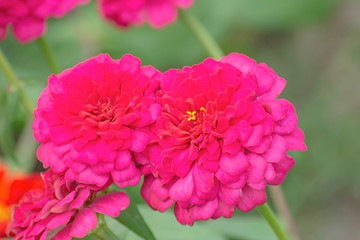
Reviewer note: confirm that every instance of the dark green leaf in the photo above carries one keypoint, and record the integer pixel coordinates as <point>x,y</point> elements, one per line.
<point>132,219</point>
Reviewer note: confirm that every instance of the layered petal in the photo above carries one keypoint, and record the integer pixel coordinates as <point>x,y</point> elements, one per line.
<point>84,221</point>
<point>221,137</point>
<point>28,18</point>
<point>63,209</point>
<point>94,118</point>
<point>110,204</point>
<point>158,13</point>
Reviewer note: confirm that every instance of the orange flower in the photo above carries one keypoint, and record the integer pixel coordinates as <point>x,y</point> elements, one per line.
<point>12,188</point>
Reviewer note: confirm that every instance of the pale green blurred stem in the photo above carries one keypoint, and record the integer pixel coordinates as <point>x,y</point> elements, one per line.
<point>201,34</point>
<point>48,54</point>
<point>268,214</point>
<point>103,232</point>
<point>279,200</point>
<point>14,82</point>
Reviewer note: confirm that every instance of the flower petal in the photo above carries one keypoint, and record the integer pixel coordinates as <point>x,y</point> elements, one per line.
<point>88,176</point>
<point>203,212</point>
<point>182,215</point>
<point>84,222</point>
<point>251,198</point>
<point>28,29</point>
<point>233,164</point>
<point>110,204</point>
<point>277,149</point>
<point>129,176</point>
<point>64,234</point>
<point>257,166</point>
<point>122,160</point>
<point>139,140</point>
<point>60,220</point>
<point>281,168</point>
<point>183,188</point>
<point>203,179</point>
<point>296,140</point>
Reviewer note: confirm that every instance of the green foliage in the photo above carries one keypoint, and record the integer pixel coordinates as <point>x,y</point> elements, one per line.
<point>132,219</point>
<point>9,102</point>
<point>165,227</point>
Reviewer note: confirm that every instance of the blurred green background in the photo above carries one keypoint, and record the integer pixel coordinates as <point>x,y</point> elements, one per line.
<point>314,45</point>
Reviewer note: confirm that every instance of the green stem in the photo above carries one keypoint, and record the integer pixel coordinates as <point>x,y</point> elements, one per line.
<point>13,81</point>
<point>108,233</point>
<point>279,200</point>
<point>266,211</point>
<point>97,235</point>
<point>201,34</point>
<point>49,56</point>
<point>103,232</point>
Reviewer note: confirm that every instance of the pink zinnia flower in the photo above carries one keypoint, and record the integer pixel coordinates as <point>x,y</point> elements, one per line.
<point>62,210</point>
<point>28,17</point>
<point>222,137</point>
<point>92,118</point>
<point>135,12</point>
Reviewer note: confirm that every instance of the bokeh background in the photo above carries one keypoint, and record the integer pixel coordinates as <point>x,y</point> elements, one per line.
<point>314,45</point>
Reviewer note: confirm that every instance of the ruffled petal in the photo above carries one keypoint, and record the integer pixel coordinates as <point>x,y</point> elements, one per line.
<point>203,212</point>
<point>110,204</point>
<point>84,222</point>
<point>182,215</point>
<point>251,198</point>
<point>183,188</point>
<point>28,29</point>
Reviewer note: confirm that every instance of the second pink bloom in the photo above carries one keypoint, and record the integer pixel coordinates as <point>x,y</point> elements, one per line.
<point>222,137</point>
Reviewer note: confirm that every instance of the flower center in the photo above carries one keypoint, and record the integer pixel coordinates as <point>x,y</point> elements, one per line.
<point>198,116</point>
<point>106,111</point>
<point>102,111</point>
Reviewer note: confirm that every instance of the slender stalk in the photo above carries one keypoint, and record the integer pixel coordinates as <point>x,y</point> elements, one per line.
<point>103,232</point>
<point>282,207</point>
<point>266,211</point>
<point>109,235</point>
<point>13,81</point>
<point>201,34</point>
<point>49,56</point>
<point>97,235</point>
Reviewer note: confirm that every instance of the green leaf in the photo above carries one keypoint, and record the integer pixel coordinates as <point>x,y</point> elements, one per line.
<point>166,227</point>
<point>9,103</point>
<point>102,231</point>
<point>132,219</point>
<point>88,237</point>
<point>242,226</point>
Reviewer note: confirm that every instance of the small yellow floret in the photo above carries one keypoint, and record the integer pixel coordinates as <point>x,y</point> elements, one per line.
<point>192,115</point>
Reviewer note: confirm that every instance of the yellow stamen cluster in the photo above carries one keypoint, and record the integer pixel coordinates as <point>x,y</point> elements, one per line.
<point>192,114</point>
